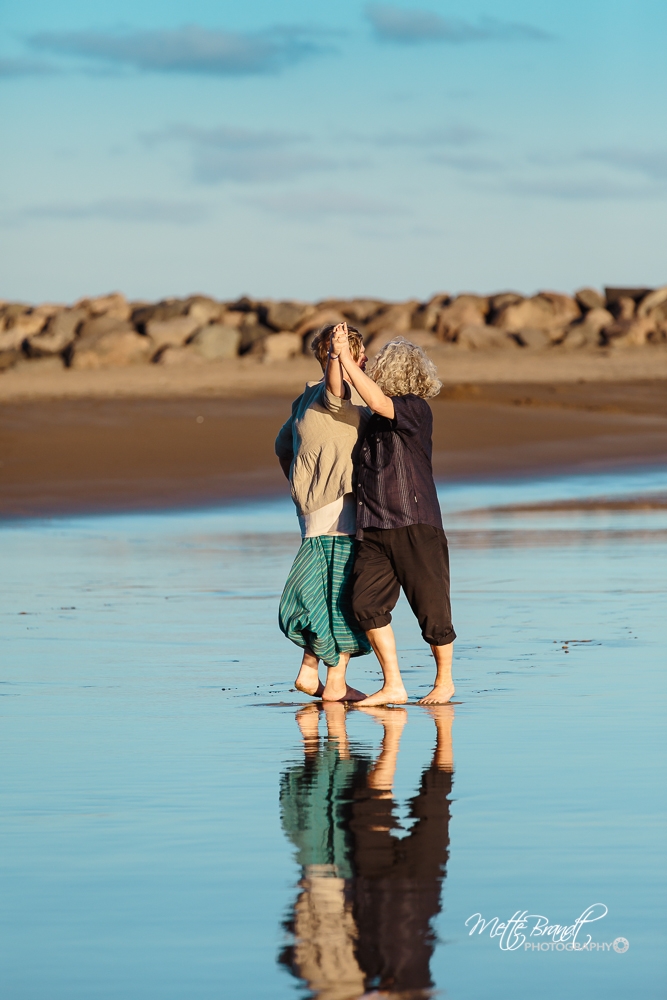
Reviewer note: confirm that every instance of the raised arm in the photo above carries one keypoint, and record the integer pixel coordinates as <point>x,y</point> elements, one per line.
<point>371,394</point>
<point>333,375</point>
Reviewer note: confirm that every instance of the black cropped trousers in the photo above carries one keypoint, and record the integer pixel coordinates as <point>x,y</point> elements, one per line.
<point>415,558</point>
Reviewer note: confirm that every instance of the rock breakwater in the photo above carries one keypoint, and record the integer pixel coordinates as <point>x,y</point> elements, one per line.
<point>110,331</point>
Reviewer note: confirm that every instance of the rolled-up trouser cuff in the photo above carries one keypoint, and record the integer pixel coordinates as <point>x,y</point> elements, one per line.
<point>440,640</point>
<point>379,622</point>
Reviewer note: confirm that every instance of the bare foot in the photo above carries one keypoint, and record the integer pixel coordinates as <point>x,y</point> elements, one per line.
<point>332,692</point>
<point>440,695</point>
<point>395,695</point>
<point>308,679</point>
<point>317,693</point>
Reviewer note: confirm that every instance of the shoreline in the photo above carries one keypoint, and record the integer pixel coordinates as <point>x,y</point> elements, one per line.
<point>629,503</point>
<point>65,457</point>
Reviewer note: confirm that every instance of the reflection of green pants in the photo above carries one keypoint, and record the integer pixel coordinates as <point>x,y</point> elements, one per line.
<point>315,608</point>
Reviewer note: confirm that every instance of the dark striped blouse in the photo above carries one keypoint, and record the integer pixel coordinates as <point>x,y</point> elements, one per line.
<point>395,478</point>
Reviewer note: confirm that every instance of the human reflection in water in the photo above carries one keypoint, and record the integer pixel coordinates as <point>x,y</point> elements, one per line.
<point>362,920</point>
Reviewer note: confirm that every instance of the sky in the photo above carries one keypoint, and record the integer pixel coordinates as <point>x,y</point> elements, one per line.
<point>295,149</point>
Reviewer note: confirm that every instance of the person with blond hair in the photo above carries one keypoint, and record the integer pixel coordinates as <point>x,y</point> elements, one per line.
<point>316,448</point>
<point>401,542</point>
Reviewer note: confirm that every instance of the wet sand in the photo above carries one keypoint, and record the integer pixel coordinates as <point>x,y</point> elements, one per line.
<point>102,454</point>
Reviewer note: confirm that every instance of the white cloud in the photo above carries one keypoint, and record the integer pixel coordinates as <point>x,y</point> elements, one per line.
<point>122,210</point>
<point>651,163</point>
<point>190,49</point>
<point>231,153</point>
<point>414,26</point>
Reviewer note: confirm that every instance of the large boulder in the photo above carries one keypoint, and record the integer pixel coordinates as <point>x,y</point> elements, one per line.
<point>244,304</point>
<point>49,309</point>
<point>478,337</point>
<point>19,327</point>
<point>536,340</point>
<point>106,342</point>
<point>204,309</point>
<point>633,332</point>
<point>579,336</point>
<point>287,315</point>
<point>218,342</point>
<point>587,332</point>
<point>171,332</point>
<point>180,357</point>
<point>396,319</point>
<point>355,311</point>
<point>252,331</point>
<point>58,335</point>
<point>280,346</point>
<point>597,319</point>
<point>9,311</point>
<point>30,323</point>
<point>103,324</point>
<point>312,324</point>
<point>360,311</point>
<point>465,310</point>
<point>549,311</point>
<point>164,310</point>
<point>215,342</point>
<point>425,317</point>
<point>653,302</point>
<point>115,306</point>
<point>589,298</point>
<point>502,299</point>
<point>232,318</point>
<point>11,340</point>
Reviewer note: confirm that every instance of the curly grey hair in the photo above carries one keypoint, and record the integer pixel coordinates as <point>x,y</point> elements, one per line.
<point>401,368</point>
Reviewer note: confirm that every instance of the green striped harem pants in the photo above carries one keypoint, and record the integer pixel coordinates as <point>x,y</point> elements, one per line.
<point>315,607</point>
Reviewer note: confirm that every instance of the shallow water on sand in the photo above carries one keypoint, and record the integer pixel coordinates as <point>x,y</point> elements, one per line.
<point>174,828</point>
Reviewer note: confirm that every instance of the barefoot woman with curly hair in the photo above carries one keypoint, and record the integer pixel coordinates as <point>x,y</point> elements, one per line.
<point>399,525</point>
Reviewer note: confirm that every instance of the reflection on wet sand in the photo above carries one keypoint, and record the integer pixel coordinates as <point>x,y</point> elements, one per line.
<point>361,923</point>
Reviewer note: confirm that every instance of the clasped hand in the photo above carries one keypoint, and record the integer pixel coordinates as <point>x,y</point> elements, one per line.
<point>339,339</point>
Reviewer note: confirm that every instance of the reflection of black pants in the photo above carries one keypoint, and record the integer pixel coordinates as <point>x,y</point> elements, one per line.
<point>398,883</point>
<point>414,558</point>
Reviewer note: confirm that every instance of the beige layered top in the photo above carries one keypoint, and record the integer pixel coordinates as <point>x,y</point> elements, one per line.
<point>321,440</point>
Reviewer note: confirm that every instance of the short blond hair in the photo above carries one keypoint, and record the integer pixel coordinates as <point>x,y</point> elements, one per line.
<point>401,368</point>
<point>319,345</point>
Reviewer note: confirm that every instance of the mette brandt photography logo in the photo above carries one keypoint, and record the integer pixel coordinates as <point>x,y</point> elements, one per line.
<point>533,932</point>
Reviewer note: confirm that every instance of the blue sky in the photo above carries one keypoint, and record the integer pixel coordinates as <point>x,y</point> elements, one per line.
<point>295,149</point>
